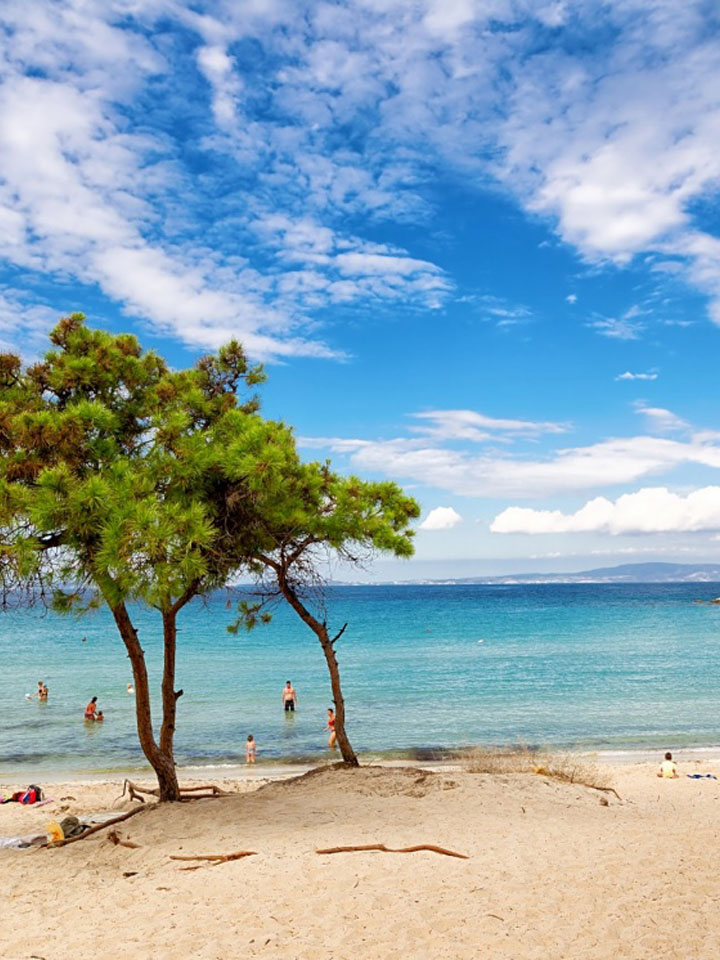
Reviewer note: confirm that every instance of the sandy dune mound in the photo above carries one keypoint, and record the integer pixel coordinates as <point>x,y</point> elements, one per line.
<point>552,873</point>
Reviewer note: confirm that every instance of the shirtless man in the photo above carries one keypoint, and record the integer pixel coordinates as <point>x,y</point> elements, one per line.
<point>289,697</point>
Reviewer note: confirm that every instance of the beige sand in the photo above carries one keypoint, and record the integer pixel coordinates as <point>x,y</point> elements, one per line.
<point>552,872</point>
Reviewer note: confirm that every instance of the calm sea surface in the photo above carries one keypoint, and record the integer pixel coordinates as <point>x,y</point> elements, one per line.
<point>596,666</point>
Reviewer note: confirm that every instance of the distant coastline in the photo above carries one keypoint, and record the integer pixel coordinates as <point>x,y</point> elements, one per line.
<point>624,573</point>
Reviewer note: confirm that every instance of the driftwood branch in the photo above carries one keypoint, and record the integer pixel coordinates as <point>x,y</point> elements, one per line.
<point>217,858</point>
<point>95,829</point>
<point>381,846</point>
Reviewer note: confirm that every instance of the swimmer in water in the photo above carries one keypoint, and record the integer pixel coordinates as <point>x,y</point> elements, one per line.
<point>130,689</point>
<point>331,727</point>
<point>289,697</point>
<point>250,749</point>
<point>91,709</point>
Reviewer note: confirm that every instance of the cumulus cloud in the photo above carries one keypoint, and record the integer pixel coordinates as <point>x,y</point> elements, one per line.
<point>441,518</point>
<point>649,510</point>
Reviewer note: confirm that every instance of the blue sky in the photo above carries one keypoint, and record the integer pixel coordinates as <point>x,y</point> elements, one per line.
<point>475,242</point>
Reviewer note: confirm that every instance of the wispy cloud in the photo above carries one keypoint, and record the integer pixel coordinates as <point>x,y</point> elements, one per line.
<point>648,375</point>
<point>617,329</point>
<point>464,472</point>
<point>474,426</point>
<point>661,420</point>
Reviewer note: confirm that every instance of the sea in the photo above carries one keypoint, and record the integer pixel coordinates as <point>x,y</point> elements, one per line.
<point>426,670</point>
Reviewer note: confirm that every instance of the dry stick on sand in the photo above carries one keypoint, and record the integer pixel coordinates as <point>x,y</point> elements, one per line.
<point>95,829</point>
<point>381,846</point>
<point>217,858</point>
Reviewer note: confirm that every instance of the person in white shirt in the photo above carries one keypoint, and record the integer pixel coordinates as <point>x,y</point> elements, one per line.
<point>668,768</point>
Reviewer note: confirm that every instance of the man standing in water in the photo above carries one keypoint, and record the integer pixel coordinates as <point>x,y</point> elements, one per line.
<point>289,697</point>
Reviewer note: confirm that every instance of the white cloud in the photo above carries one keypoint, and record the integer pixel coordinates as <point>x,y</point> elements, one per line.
<point>441,518</point>
<point>571,298</point>
<point>661,420</point>
<point>470,425</point>
<point>609,130</point>
<point>649,510</point>
<point>649,375</point>
<point>565,471</point>
<point>617,329</point>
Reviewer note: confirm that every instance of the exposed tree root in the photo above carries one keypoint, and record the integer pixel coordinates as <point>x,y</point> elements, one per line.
<point>216,858</point>
<point>135,792</point>
<point>381,846</point>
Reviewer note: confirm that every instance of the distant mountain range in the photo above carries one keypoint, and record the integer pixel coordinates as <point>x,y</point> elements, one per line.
<point>625,573</point>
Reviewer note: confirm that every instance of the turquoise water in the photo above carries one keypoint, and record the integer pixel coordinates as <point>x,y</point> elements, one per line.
<point>596,666</point>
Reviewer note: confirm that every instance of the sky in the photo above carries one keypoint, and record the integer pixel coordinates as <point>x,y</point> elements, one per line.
<point>475,242</point>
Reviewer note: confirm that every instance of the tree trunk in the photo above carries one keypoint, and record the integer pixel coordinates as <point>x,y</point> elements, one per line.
<point>170,695</point>
<point>348,754</point>
<point>320,631</point>
<point>159,757</point>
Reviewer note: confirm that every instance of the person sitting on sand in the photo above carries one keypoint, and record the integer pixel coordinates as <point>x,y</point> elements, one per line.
<point>91,709</point>
<point>289,697</point>
<point>668,768</point>
<point>331,727</point>
<point>250,749</point>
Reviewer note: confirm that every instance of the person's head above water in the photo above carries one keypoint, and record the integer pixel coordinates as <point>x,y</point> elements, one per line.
<point>250,738</point>
<point>288,683</point>
<point>94,700</point>
<point>668,756</point>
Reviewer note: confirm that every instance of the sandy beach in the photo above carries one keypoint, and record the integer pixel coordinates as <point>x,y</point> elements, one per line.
<point>552,871</point>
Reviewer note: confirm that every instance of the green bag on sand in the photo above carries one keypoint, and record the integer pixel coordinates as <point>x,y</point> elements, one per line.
<point>71,827</point>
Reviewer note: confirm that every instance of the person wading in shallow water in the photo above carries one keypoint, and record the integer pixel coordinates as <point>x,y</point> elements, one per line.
<point>289,697</point>
<point>331,727</point>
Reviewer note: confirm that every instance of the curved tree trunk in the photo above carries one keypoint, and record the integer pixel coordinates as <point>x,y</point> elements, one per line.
<point>320,631</point>
<point>348,754</point>
<point>159,757</point>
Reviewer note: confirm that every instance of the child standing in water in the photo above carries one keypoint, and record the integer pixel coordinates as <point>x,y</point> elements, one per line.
<point>331,727</point>
<point>250,749</point>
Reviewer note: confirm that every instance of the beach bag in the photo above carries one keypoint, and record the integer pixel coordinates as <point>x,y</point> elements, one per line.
<point>71,827</point>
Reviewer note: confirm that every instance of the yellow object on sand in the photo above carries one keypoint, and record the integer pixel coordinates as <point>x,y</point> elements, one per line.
<point>54,831</point>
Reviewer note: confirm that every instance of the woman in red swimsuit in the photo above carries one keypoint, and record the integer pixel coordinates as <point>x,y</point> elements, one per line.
<point>331,727</point>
